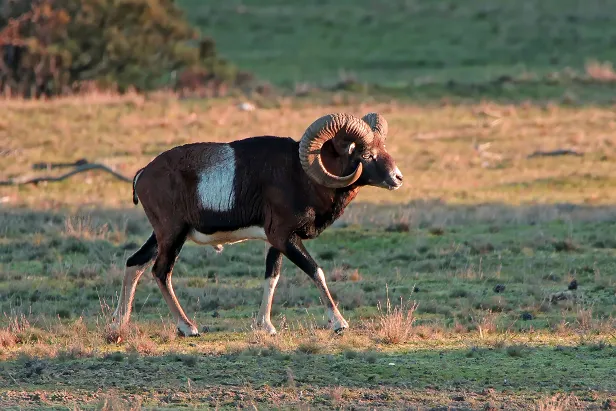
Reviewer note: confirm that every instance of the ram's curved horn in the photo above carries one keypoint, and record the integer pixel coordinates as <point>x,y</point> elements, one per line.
<point>324,129</point>
<point>378,124</point>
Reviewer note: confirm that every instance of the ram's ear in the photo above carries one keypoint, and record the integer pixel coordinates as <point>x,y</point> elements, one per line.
<point>344,147</point>
<point>351,148</point>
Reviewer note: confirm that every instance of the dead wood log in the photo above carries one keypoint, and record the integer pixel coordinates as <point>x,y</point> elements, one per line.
<point>82,167</point>
<point>49,166</point>
<point>562,152</point>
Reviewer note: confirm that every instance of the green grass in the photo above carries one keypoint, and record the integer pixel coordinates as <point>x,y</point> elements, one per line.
<point>485,240</point>
<point>469,345</point>
<point>423,49</point>
<point>67,275</point>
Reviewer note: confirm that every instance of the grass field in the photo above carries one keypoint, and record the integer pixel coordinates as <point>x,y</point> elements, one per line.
<point>464,224</point>
<point>422,49</point>
<point>477,254</point>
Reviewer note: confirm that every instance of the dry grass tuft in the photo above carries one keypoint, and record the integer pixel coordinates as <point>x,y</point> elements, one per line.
<point>290,378</point>
<point>167,333</point>
<point>83,227</point>
<point>75,351</point>
<point>113,402</point>
<point>40,350</point>
<point>7,338</point>
<point>485,322</point>
<point>139,342</point>
<point>601,71</point>
<point>339,274</point>
<point>559,402</point>
<point>336,395</point>
<point>115,336</point>
<point>395,324</point>
<point>311,345</point>
<point>18,323</point>
<point>584,319</point>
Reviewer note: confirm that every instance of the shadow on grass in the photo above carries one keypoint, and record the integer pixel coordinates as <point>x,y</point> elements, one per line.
<point>514,376</point>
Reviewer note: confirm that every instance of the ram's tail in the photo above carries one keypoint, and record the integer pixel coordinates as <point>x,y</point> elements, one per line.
<point>135,198</point>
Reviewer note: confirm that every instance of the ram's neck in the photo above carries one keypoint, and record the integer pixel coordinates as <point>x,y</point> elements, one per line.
<point>339,200</point>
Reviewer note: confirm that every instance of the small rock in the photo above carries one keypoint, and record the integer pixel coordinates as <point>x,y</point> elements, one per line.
<point>415,289</point>
<point>526,316</point>
<point>561,296</point>
<point>246,106</point>
<point>205,329</point>
<point>573,285</point>
<point>215,314</point>
<point>609,405</point>
<point>457,398</point>
<point>499,288</point>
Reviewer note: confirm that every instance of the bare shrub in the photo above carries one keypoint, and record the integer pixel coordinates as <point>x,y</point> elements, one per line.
<point>394,325</point>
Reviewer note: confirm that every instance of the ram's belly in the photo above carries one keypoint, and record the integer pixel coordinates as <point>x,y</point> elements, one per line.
<point>228,237</point>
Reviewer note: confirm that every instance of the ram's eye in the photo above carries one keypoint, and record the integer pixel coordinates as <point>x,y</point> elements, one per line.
<point>366,156</point>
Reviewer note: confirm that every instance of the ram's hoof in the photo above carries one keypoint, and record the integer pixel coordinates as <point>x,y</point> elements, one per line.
<point>338,325</point>
<point>340,331</point>
<point>182,334</point>
<point>187,330</point>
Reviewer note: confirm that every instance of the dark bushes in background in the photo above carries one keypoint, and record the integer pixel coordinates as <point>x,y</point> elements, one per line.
<point>56,47</point>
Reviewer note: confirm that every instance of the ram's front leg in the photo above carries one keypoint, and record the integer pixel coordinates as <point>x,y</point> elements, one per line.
<point>295,251</point>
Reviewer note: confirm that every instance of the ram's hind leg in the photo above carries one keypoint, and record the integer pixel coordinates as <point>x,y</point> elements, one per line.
<point>273,263</point>
<point>168,253</point>
<point>135,266</point>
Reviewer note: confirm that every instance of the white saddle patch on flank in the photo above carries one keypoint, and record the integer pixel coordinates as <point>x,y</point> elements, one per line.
<point>215,187</point>
<point>228,237</point>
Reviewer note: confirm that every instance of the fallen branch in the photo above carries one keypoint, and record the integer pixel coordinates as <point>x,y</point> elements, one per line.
<point>49,166</point>
<point>554,153</point>
<point>79,169</point>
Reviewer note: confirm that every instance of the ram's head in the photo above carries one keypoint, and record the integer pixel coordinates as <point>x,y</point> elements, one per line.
<point>338,150</point>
